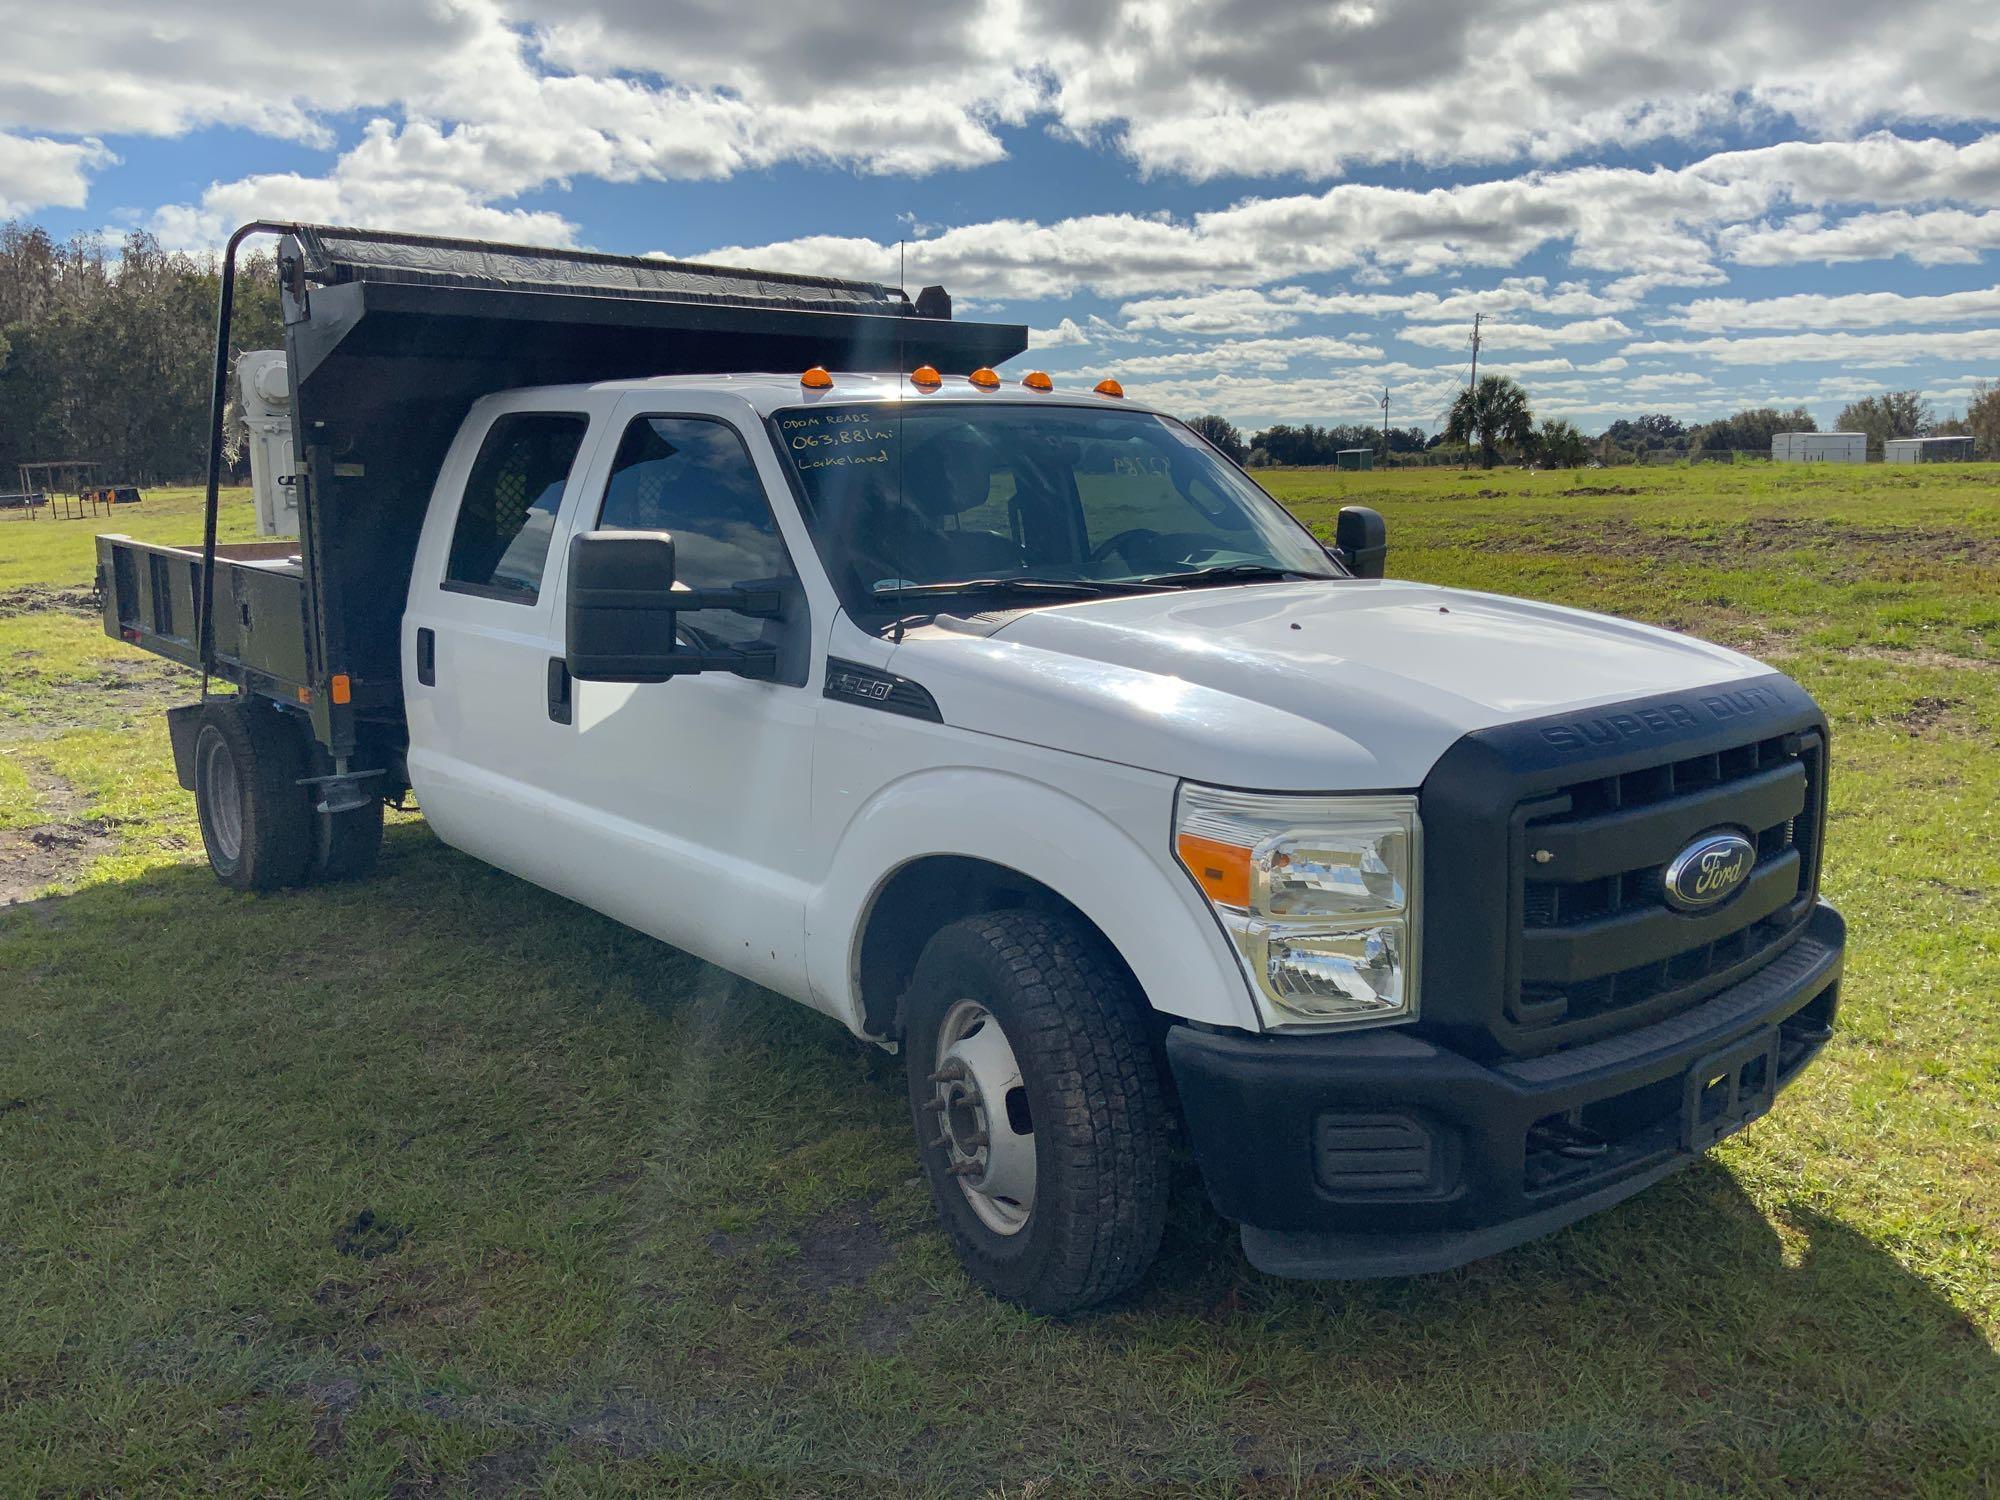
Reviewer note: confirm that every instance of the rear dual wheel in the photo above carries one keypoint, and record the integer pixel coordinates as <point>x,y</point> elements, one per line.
<point>1037,1097</point>
<point>260,824</point>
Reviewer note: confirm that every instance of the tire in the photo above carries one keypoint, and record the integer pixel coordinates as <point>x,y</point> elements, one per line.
<point>255,823</point>
<point>345,844</point>
<point>1085,1085</point>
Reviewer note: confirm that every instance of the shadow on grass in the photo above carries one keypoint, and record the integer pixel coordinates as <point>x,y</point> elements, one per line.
<point>633,1211</point>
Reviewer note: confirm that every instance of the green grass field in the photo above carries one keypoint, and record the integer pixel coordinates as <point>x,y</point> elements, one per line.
<point>437,1184</point>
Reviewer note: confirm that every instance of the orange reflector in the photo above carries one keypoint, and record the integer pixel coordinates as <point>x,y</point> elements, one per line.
<point>1038,380</point>
<point>1222,870</point>
<point>1108,388</point>
<point>816,379</point>
<point>305,695</point>
<point>340,689</point>
<point>926,375</point>
<point>985,379</point>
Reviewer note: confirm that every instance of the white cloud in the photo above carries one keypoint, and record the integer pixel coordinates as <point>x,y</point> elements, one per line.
<point>1248,354</point>
<point>1847,310</point>
<point>1650,227</point>
<point>36,172</point>
<point>1937,237</point>
<point>1503,335</point>
<point>1065,334</point>
<point>1254,310</point>
<point>1872,350</point>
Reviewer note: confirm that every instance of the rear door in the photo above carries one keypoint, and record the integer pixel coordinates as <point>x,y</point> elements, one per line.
<point>481,631</point>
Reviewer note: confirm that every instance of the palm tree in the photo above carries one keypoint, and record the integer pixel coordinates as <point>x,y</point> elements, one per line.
<point>1495,411</point>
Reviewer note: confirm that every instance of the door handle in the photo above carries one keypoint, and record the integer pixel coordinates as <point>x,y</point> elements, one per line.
<point>559,690</point>
<point>427,666</point>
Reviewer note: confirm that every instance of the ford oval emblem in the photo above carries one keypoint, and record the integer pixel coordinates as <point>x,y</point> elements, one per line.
<point>1709,871</point>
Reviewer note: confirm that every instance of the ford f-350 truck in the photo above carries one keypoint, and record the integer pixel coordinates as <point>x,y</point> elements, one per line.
<point>1016,729</point>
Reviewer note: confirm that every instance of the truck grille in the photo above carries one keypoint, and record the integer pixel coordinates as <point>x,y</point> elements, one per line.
<point>1596,933</point>
<point>1546,843</point>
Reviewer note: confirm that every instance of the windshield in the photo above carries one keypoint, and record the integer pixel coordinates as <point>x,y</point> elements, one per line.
<point>1020,499</point>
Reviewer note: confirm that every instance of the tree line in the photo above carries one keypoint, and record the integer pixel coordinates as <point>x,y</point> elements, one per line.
<point>105,353</point>
<point>1494,419</point>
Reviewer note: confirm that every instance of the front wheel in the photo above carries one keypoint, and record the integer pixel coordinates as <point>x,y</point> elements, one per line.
<point>1038,1099</point>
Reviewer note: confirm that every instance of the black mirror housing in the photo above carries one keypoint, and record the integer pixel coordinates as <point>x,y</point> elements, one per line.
<point>1361,540</point>
<point>619,618</point>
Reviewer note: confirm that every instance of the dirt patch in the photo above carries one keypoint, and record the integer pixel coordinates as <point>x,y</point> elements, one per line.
<point>31,858</point>
<point>1923,716</point>
<point>63,847</point>
<point>366,1236</point>
<point>883,1326</point>
<point>36,599</point>
<point>843,1247</point>
<point>1600,489</point>
<point>332,1401</point>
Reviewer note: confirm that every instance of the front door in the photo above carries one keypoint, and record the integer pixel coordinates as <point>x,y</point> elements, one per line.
<point>683,806</point>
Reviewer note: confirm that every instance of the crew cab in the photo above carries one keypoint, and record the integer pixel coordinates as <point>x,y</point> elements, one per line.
<point>1017,730</point>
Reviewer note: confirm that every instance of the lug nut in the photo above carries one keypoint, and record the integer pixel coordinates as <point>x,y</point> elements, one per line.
<point>951,1072</point>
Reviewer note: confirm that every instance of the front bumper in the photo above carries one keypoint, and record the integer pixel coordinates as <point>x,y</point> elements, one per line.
<point>1380,1154</point>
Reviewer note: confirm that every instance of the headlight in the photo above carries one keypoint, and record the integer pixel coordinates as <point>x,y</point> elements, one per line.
<point>1317,893</point>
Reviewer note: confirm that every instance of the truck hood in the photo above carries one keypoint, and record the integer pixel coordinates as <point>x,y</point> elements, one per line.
<point>1338,685</point>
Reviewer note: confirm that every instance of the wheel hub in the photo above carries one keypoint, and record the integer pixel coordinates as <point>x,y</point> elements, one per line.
<point>984,1129</point>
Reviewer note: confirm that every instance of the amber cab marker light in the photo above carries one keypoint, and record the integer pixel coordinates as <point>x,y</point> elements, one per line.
<point>926,376</point>
<point>1109,388</point>
<point>816,379</point>
<point>985,379</point>
<point>340,689</point>
<point>1038,380</point>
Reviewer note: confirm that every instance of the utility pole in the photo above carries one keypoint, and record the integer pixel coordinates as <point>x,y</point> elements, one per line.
<point>1385,424</point>
<point>1474,380</point>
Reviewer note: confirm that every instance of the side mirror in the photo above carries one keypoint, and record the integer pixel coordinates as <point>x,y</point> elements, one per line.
<point>619,620</point>
<point>621,609</point>
<point>1361,540</point>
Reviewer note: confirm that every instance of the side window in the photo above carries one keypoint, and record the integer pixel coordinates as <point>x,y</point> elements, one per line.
<point>508,513</point>
<point>693,476</point>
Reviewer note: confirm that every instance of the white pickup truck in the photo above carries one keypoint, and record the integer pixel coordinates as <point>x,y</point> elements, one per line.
<point>1014,728</point>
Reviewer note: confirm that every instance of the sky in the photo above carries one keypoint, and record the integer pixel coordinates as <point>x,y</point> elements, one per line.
<point>1268,209</point>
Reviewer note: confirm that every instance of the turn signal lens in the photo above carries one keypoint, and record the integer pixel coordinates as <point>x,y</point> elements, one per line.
<point>1109,388</point>
<point>927,377</point>
<point>1038,380</point>
<point>339,689</point>
<point>1221,870</point>
<point>816,379</point>
<point>985,379</point>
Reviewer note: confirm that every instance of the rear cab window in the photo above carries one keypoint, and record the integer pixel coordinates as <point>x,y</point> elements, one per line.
<point>507,515</point>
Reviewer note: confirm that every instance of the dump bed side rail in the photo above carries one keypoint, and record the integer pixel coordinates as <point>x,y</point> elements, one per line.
<point>152,598</point>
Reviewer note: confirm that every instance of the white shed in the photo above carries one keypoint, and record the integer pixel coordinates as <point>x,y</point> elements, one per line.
<point>1930,450</point>
<point>1820,447</point>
